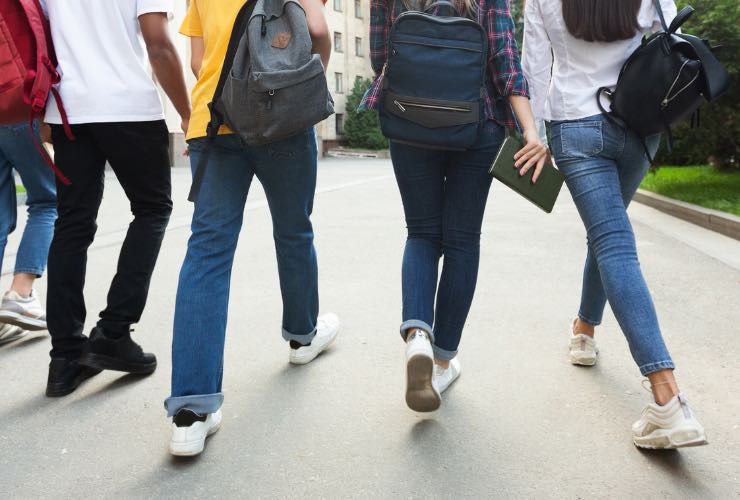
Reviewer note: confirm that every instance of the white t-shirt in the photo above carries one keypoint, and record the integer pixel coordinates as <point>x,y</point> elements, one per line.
<point>564,72</point>
<point>103,60</point>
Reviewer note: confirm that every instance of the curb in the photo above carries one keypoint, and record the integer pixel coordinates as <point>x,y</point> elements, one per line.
<point>349,153</point>
<point>714,220</point>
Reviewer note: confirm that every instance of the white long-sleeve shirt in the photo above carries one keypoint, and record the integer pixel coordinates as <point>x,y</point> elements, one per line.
<point>564,73</point>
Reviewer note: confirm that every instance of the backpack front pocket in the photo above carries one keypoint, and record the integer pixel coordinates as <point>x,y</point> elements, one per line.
<point>431,113</point>
<point>284,103</point>
<point>436,123</point>
<point>277,104</point>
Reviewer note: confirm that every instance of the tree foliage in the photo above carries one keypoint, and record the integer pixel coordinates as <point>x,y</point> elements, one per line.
<point>362,128</point>
<point>717,139</point>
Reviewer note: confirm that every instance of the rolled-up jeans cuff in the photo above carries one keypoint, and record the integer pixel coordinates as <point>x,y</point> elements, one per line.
<point>36,271</point>
<point>587,320</point>
<point>201,404</point>
<point>301,339</point>
<point>416,323</point>
<point>443,354</point>
<point>657,366</point>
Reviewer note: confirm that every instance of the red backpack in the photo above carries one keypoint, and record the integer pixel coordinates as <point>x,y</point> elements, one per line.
<point>28,68</point>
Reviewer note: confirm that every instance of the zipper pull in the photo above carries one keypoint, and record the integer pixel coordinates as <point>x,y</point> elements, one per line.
<point>263,29</point>
<point>270,93</point>
<point>399,106</point>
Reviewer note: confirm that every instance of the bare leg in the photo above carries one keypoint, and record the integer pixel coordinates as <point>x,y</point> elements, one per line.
<point>23,284</point>
<point>663,385</point>
<point>582,327</point>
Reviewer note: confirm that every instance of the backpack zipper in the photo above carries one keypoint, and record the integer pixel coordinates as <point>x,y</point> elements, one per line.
<point>270,93</point>
<point>439,46</point>
<point>402,106</point>
<point>668,98</point>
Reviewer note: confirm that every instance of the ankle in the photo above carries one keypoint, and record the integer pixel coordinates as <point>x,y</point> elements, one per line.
<point>663,393</point>
<point>23,284</point>
<point>412,331</point>
<point>442,363</point>
<point>580,327</point>
<point>663,386</point>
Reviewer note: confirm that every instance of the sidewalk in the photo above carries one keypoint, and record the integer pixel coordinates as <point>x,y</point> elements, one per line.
<point>520,423</point>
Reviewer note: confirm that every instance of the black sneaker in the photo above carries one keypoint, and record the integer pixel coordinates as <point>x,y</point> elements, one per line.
<point>65,376</point>
<point>119,354</point>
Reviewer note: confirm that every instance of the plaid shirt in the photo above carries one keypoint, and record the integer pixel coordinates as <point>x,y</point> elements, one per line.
<point>505,76</point>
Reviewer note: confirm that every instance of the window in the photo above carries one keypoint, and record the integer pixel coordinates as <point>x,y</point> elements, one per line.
<point>339,124</point>
<point>338,5</point>
<point>337,42</point>
<point>338,88</point>
<point>358,79</point>
<point>358,46</point>
<point>358,9</point>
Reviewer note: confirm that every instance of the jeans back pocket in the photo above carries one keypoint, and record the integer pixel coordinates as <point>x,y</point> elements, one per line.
<point>579,139</point>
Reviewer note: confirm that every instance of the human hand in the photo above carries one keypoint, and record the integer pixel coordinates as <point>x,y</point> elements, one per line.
<point>533,154</point>
<point>45,132</point>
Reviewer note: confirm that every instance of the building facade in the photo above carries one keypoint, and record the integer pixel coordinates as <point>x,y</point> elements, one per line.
<point>349,25</point>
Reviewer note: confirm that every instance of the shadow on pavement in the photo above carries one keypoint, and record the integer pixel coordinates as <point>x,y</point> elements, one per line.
<point>28,341</point>
<point>119,383</point>
<point>672,462</point>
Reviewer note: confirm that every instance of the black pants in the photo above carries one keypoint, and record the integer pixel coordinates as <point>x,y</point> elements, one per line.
<point>138,154</point>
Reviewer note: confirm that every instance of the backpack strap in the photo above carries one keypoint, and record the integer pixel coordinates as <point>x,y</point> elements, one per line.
<point>660,15</point>
<point>442,3</point>
<point>610,117</point>
<point>216,118</point>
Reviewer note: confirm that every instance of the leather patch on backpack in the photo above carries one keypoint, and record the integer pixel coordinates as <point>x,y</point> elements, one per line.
<point>282,40</point>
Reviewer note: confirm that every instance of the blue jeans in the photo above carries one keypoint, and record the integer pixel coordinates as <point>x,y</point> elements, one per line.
<point>603,165</point>
<point>287,171</point>
<point>18,152</point>
<point>444,196</point>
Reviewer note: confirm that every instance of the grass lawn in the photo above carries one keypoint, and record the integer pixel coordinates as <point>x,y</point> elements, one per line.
<point>702,186</point>
<point>20,189</point>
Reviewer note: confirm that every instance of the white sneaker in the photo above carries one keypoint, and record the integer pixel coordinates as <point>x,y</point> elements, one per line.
<point>9,333</point>
<point>190,430</point>
<point>672,425</point>
<point>25,312</point>
<point>421,395</point>
<point>327,328</point>
<point>443,377</point>
<point>583,350</point>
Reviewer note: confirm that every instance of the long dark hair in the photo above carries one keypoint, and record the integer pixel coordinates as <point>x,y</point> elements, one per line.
<point>601,20</point>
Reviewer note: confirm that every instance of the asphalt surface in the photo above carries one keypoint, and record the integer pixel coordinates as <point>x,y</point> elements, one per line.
<point>521,422</point>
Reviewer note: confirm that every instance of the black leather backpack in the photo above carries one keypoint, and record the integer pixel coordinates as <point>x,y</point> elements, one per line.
<point>665,80</point>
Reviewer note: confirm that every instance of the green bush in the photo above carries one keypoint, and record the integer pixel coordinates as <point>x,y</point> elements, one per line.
<point>362,128</point>
<point>717,140</point>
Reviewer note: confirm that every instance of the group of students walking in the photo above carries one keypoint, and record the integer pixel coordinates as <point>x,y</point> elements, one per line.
<point>571,48</point>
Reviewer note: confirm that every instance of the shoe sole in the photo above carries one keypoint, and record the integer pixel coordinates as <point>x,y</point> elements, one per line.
<point>14,337</point>
<point>421,395</point>
<point>681,438</point>
<point>16,319</point>
<point>58,393</point>
<point>192,448</point>
<point>296,360</point>
<point>101,362</point>
<point>583,361</point>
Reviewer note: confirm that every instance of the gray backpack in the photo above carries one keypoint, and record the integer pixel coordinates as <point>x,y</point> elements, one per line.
<point>271,86</point>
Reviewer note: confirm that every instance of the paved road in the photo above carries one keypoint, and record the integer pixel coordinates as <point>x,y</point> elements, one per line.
<point>520,423</point>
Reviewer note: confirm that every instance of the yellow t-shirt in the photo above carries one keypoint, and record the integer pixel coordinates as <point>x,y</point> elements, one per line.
<point>213,20</point>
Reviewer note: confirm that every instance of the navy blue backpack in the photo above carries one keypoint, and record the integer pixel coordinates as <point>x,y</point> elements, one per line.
<point>434,80</point>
